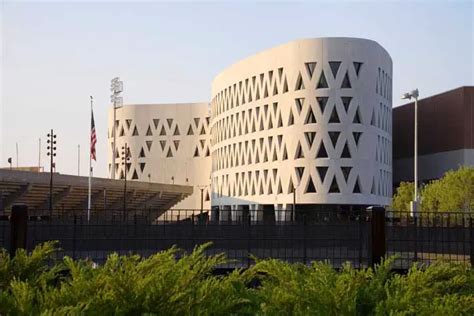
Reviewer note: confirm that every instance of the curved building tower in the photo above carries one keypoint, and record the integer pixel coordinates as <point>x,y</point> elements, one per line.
<point>309,121</point>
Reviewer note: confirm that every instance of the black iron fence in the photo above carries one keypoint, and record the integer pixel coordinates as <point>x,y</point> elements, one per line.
<point>361,237</point>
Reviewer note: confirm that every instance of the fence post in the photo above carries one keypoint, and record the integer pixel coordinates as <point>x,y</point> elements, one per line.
<point>377,234</point>
<point>18,228</point>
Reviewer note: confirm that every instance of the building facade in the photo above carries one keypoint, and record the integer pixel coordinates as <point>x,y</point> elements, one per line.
<point>445,135</point>
<point>312,116</point>
<point>169,143</point>
<point>309,121</point>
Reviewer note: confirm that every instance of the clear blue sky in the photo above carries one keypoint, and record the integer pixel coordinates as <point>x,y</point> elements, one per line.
<point>56,54</point>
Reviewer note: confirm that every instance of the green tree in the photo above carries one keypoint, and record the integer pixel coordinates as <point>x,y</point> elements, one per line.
<point>454,192</point>
<point>402,197</point>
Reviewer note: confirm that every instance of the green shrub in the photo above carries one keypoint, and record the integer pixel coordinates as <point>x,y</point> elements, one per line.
<point>172,283</point>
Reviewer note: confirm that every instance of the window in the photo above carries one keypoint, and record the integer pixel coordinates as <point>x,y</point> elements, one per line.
<point>334,136</point>
<point>346,101</point>
<point>334,118</point>
<point>322,103</point>
<point>299,83</point>
<point>346,83</point>
<point>334,188</point>
<point>310,69</point>
<point>322,153</point>
<point>322,83</point>
<point>322,171</point>
<point>345,152</point>
<point>346,171</point>
<point>310,188</point>
<point>334,65</point>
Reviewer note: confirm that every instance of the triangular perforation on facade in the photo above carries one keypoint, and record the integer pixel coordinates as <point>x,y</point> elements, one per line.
<point>279,122</point>
<point>299,151</point>
<point>285,86</point>
<point>163,131</point>
<point>310,69</point>
<point>291,187</point>
<point>310,188</point>
<point>176,144</point>
<point>299,172</point>
<point>299,104</point>
<point>285,154</point>
<point>322,101</point>
<point>334,118</point>
<point>322,171</point>
<point>122,132</point>
<point>176,131</point>
<point>357,119</point>
<point>299,82</point>
<point>196,121</point>
<point>203,131</point>
<point>334,65</point>
<point>128,122</point>
<point>196,152</point>
<point>345,152</point>
<point>270,188</point>
<point>279,187</point>
<point>169,154</point>
<point>372,121</point>
<point>310,136</point>
<point>310,118</point>
<point>346,171</point>
<point>291,119</point>
<point>142,153</point>
<point>356,136</point>
<point>156,122</point>
<point>135,132</point>
<point>357,66</point>
<point>322,82</point>
<point>257,94</point>
<point>163,144</point>
<point>322,153</point>
<point>148,144</point>
<point>265,91</point>
<point>190,130</point>
<point>202,142</point>
<point>170,122</point>
<point>275,89</point>
<point>134,175</point>
<point>148,131</point>
<point>280,73</point>
<point>346,83</point>
<point>356,188</point>
<point>208,153</point>
<point>334,188</point>
<point>346,101</point>
<point>334,136</point>
<point>142,166</point>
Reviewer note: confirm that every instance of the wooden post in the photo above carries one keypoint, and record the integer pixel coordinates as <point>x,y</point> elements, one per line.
<point>377,247</point>
<point>18,228</point>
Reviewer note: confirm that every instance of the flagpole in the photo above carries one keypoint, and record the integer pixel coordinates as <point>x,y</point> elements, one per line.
<point>90,173</point>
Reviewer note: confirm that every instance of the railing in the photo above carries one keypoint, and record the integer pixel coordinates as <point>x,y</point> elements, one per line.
<point>361,237</point>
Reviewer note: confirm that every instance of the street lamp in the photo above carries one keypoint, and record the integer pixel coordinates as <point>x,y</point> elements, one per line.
<point>10,162</point>
<point>116,87</point>
<point>408,96</point>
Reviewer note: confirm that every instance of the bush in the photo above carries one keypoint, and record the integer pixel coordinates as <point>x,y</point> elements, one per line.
<point>172,283</point>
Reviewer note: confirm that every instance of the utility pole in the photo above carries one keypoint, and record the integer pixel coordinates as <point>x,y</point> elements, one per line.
<point>52,153</point>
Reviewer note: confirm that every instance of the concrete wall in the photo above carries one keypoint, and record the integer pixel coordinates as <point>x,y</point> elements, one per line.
<point>265,141</point>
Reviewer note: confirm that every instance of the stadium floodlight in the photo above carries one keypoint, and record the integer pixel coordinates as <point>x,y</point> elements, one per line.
<point>116,86</point>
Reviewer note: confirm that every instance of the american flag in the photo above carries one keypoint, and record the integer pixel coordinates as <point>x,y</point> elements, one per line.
<point>93,137</point>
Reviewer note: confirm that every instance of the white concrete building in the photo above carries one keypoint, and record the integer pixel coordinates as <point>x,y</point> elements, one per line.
<point>311,115</point>
<point>169,143</point>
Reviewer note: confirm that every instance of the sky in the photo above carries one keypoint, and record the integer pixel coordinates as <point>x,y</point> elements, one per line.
<point>54,55</point>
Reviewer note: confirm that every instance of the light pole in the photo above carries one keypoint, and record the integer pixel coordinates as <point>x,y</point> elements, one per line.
<point>125,160</point>
<point>10,162</point>
<point>52,153</point>
<point>202,187</point>
<point>414,204</point>
<point>116,87</point>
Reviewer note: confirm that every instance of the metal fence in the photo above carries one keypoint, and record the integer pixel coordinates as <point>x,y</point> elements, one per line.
<point>303,237</point>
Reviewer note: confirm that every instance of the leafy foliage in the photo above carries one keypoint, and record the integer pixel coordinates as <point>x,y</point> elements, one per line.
<point>173,283</point>
<point>454,192</point>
